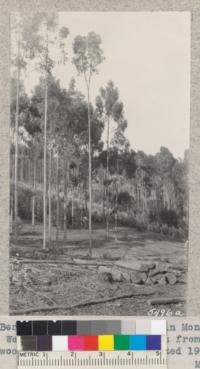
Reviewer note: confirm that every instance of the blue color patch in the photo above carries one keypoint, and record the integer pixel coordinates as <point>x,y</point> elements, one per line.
<point>138,342</point>
<point>153,342</point>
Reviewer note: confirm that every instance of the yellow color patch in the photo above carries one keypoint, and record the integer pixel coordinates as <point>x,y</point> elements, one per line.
<point>106,343</point>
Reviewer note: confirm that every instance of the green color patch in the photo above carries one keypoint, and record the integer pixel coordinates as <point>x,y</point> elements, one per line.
<point>122,342</point>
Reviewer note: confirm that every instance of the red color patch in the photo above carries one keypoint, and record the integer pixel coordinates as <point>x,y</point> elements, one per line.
<point>91,343</point>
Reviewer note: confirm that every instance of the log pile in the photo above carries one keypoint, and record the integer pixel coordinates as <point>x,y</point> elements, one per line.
<point>151,273</point>
<point>158,273</point>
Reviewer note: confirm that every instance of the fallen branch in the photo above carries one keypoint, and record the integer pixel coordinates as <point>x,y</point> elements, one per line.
<point>165,300</point>
<point>82,304</point>
<point>178,267</point>
<point>134,266</point>
<point>75,262</point>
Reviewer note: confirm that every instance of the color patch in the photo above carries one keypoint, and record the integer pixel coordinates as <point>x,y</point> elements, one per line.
<point>54,328</point>
<point>26,343</point>
<point>91,343</point>
<point>98,327</point>
<point>106,342</point>
<point>113,327</point>
<point>158,327</point>
<point>143,327</point>
<point>121,342</point>
<point>19,346</point>
<point>39,327</point>
<point>128,327</point>
<point>83,327</point>
<point>59,343</point>
<point>24,328</point>
<point>138,342</point>
<point>44,343</point>
<point>76,343</point>
<point>69,327</point>
<point>153,342</point>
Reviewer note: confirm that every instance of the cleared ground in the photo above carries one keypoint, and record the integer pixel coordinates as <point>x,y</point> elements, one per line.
<point>65,281</point>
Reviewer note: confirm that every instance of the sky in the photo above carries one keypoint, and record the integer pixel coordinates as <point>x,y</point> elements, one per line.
<point>147,55</point>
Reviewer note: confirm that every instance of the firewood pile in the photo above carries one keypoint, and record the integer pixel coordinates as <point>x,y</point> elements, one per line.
<point>161,273</point>
<point>149,273</point>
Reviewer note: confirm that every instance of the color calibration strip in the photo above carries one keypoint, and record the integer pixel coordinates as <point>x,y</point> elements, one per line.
<point>90,343</point>
<point>91,327</point>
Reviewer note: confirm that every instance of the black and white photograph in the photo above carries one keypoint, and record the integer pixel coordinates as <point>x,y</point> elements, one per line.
<point>99,160</point>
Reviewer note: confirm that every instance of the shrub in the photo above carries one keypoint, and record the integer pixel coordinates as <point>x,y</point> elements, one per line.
<point>153,227</point>
<point>168,217</point>
<point>180,234</point>
<point>125,220</point>
<point>153,216</point>
<point>164,229</point>
<point>39,207</point>
<point>98,218</point>
<point>24,203</point>
<point>140,226</point>
<point>124,198</point>
<point>172,231</point>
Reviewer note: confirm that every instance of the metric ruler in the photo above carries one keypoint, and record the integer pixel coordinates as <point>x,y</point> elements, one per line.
<point>88,360</point>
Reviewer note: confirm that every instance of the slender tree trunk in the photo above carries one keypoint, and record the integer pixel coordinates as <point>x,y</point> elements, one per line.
<point>11,219</point>
<point>85,198</point>
<point>41,171</point>
<point>45,172</point>
<point>50,178</point>
<point>26,169</point>
<point>16,149</point>
<point>103,196</point>
<point>116,204</point>
<point>33,213</point>
<point>86,202</point>
<point>21,165</point>
<point>65,196</point>
<point>81,199</point>
<point>29,170</point>
<point>72,198</point>
<point>137,192</point>
<point>103,203</point>
<point>107,179</point>
<point>72,206</point>
<point>57,202</point>
<point>90,173</point>
<point>33,198</point>
<point>45,149</point>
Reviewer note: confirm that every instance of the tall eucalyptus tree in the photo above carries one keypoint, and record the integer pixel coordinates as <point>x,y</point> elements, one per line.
<point>88,55</point>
